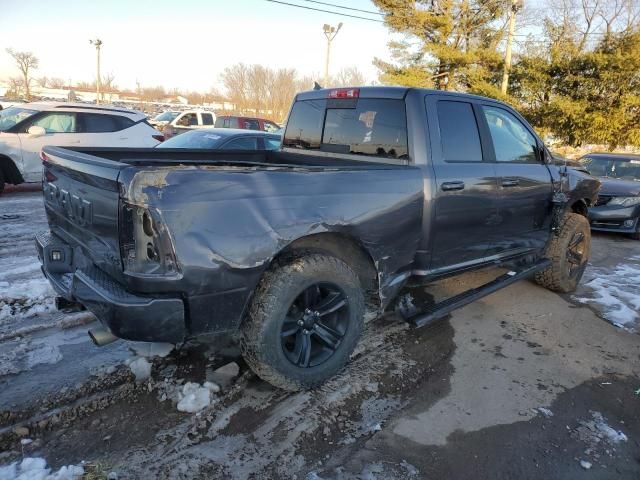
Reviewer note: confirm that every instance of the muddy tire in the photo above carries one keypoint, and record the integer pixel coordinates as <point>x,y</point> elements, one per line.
<point>636,235</point>
<point>569,253</point>
<point>304,322</point>
<point>1,181</point>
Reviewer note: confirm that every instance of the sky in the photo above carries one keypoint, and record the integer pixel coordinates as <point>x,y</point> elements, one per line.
<point>183,44</point>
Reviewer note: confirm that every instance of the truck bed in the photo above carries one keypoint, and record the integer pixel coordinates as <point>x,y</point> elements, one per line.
<point>176,156</point>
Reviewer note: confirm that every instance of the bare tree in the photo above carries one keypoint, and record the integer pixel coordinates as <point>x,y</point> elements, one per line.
<point>107,83</point>
<point>16,85</point>
<point>349,77</point>
<point>42,82</point>
<point>57,83</point>
<point>25,61</point>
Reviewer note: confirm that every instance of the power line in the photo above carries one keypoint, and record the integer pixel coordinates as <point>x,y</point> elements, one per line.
<point>345,8</point>
<point>326,11</point>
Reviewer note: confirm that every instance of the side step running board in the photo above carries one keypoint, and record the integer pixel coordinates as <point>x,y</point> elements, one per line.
<point>445,307</point>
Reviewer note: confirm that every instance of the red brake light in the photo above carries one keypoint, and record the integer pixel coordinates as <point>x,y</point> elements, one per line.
<point>43,156</point>
<point>160,138</point>
<point>344,93</point>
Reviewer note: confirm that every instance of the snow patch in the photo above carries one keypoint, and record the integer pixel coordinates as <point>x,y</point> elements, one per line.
<point>140,367</point>
<point>151,349</point>
<point>584,464</point>
<point>616,292</point>
<point>33,468</point>
<point>546,412</point>
<point>195,397</point>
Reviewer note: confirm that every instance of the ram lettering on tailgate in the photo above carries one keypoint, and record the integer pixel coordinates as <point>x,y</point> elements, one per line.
<point>74,207</point>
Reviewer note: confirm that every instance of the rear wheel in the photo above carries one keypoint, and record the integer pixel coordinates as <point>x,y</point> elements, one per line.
<point>304,322</point>
<point>569,254</point>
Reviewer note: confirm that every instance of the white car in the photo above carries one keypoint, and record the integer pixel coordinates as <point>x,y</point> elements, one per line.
<point>26,128</point>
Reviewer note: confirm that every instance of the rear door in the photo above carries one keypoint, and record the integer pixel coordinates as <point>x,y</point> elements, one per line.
<point>524,183</point>
<point>466,208</point>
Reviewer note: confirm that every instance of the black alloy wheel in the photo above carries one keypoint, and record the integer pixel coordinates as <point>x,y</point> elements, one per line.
<point>315,325</point>
<point>576,253</point>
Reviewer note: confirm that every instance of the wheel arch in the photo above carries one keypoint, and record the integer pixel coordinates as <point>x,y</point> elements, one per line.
<point>10,170</point>
<point>343,247</point>
<point>580,207</point>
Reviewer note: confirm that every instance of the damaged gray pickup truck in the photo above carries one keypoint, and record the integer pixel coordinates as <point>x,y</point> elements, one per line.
<point>286,251</point>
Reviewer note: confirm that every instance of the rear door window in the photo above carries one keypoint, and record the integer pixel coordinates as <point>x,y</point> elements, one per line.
<point>242,143</point>
<point>99,123</point>
<point>251,124</point>
<point>373,127</point>
<point>459,135</point>
<point>207,118</point>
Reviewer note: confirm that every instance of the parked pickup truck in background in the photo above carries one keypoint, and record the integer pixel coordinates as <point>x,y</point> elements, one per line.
<point>286,250</point>
<point>187,120</point>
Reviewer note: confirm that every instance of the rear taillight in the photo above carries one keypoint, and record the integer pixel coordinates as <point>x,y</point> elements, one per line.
<point>344,93</point>
<point>159,138</point>
<point>43,156</point>
<point>145,245</point>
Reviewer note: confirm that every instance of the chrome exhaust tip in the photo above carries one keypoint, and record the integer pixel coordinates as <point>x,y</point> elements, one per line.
<point>102,336</point>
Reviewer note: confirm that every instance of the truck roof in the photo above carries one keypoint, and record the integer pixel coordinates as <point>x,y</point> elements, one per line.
<point>385,92</point>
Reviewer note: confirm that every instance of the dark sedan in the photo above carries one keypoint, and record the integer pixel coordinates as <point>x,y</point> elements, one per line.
<point>224,139</point>
<point>618,205</point>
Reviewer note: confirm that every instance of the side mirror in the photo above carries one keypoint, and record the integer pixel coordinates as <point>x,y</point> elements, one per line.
<point>36,131</point>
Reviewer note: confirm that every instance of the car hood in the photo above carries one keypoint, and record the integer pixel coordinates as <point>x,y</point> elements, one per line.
<point>618,187</point>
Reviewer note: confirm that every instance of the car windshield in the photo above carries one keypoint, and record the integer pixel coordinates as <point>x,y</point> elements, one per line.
<point>194,139</point>
<point>13,115</point>
<point>166,116</point>
<point>627,169</point>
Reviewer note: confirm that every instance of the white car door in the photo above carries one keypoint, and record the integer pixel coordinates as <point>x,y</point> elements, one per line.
<point>111,130</point>
<point>60,129</point>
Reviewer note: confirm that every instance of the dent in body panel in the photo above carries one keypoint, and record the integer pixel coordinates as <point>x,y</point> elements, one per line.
<point>228,224</point>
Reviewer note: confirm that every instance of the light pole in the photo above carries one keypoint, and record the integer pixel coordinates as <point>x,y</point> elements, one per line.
<point>515,6</point>
<point>329,32</point>
<point>98,43</point>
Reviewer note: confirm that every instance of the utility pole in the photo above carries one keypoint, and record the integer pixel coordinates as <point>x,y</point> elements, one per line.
<point>329,32</point>
<point>515,6</point>
<point>98,43</point>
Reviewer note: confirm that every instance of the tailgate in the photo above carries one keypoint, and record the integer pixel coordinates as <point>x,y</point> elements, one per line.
<point>81,197</point>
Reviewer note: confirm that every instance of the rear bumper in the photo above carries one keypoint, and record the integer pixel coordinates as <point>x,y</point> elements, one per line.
<point>612,219</point>
<point>126,315</point>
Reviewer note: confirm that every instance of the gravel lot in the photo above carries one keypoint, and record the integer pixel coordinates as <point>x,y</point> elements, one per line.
<point>523,384</point>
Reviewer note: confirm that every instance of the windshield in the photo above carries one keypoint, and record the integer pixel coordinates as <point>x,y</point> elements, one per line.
<point>166,116</point>
<point>13,115</point>
<point>194,139</point>
<point>627,169</point>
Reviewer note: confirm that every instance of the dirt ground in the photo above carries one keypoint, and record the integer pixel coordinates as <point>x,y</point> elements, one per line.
<point>522,384</point>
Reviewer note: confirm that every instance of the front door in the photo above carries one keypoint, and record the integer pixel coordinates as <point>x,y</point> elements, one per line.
<point>524,183</point>
<point>466,197</point>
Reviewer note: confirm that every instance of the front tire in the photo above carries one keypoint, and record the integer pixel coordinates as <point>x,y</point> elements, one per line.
<point>304,322</point>
<point>636,235</point>
<point>569,254</point>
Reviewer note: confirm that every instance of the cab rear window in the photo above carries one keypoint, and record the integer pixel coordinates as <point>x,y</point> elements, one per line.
<point>372,127</point>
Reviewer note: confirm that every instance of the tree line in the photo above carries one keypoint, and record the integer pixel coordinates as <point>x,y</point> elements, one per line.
<point>576,71</point>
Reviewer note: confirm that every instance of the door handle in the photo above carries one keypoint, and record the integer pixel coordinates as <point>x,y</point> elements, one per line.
<point>510,182</point>
<point>449,186</point>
